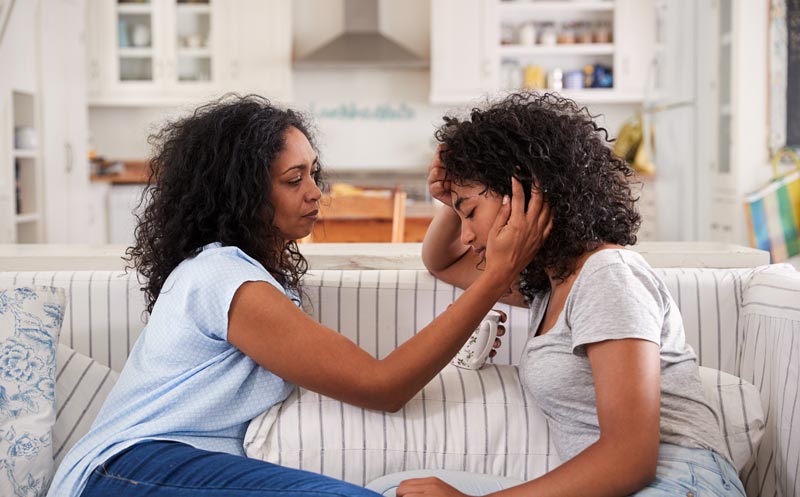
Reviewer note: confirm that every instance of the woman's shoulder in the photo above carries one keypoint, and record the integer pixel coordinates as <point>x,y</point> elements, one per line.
<point>215,263</point>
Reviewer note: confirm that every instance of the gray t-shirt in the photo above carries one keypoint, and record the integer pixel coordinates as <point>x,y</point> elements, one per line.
<point>616,295</point>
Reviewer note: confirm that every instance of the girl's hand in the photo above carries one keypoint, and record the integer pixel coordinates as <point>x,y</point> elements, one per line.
<point>437,185</point>
<point>427,487</point>
<point>516,235</point>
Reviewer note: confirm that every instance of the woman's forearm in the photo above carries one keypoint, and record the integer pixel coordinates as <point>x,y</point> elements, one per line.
<point>442,245</point>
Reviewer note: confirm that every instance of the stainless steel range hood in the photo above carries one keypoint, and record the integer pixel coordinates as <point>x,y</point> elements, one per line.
<point>361,46</point>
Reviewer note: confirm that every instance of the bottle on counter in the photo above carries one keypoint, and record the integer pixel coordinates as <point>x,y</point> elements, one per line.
<point>556,79</point>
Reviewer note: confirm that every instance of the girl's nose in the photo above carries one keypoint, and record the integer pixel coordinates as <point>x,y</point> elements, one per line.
<point>467,236</point>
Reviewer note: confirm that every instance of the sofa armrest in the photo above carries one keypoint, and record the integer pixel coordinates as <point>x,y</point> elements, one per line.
<point>770,359</point>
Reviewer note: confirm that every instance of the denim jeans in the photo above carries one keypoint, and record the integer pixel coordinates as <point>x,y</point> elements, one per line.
<point>163,468</point>
<point>681,472</point>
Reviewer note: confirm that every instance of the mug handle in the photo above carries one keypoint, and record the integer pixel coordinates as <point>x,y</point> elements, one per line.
<point>487,326</point>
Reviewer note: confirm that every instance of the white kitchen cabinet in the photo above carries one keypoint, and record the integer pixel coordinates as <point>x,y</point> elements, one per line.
<point>481,47</point>
<point>66,210</point>
<point>463,64</point>
<point>168,52</point>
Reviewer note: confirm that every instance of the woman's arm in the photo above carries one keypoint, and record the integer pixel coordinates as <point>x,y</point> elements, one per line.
<point>271,330</point>
<point>627,388</point>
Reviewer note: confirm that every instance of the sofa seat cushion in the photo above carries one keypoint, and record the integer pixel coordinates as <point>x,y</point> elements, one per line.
<point>477,421</point>
<point>30,323</point>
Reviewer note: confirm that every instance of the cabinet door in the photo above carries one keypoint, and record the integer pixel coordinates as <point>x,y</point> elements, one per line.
<point>634,34</point>
<point>258,40</point>
<point>137,46</point>
<point>192,57</point>
<point>65,122</point>
<point>461,60</point>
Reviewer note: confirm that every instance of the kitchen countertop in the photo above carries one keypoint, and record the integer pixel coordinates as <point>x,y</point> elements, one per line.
<point>135,172</point>
<point>42,257</point>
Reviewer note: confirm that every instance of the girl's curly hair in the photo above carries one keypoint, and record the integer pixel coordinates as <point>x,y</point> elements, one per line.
<point>552,140</point>
<point>210,182</point>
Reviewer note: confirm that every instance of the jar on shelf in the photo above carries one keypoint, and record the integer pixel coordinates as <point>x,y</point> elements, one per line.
<point>573,80</point>
<point>534,78</point>
<point>507,33</point>
<point>510,75</point>
<point>548,35</point>
<point>583,33</point>
<point>526,35</point>
<point>555,79</point>
<point>602,32</point>
<point>566,36</point>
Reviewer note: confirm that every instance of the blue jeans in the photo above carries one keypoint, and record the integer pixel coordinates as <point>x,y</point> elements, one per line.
<point>163,468</point>
<point>680,472</point>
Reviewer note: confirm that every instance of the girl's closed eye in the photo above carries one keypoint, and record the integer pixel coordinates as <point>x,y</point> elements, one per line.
<point>470,215</point>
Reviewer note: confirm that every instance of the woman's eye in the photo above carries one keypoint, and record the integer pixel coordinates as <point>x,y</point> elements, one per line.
<point>296,181</point>
<point>471,213</point>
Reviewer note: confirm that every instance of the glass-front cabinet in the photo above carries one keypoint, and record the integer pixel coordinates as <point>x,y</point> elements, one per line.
<point>154,48</point>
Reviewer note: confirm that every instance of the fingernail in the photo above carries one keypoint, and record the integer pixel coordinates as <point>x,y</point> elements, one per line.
<point>505,199</point>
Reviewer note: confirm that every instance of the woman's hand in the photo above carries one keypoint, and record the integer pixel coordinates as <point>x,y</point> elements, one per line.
<point>516,235</point>
<point>428,487</point>
<point>437,185</point>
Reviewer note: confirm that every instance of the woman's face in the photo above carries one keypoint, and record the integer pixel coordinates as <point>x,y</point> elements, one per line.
<point>477,207</point>
<point>295,194</point>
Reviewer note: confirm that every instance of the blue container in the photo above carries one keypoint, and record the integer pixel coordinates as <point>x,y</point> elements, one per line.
<point>573,80</point>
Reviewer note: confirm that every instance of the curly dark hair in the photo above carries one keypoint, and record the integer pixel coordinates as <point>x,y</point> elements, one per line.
<point>210,182</point>
<point>553,140</point>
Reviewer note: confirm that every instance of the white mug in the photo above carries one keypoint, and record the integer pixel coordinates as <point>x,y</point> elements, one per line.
<point>475,352</point>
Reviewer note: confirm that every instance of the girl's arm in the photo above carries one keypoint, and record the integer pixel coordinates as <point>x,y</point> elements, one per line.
<point>270,329</point>
<point>623,460</point>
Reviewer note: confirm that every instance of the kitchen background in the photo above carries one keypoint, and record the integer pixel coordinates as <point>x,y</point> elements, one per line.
<point>90,79</point>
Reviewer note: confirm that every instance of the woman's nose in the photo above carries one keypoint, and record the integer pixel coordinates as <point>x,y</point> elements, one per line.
<point>314,193</point>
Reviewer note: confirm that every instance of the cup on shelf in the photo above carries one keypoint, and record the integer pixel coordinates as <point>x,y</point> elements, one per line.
<point>140,35</point>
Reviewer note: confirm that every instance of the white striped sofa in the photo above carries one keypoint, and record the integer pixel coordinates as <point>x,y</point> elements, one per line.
<point>745,322</point>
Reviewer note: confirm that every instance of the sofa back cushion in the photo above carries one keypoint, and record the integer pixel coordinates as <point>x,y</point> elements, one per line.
<point>379,309</point>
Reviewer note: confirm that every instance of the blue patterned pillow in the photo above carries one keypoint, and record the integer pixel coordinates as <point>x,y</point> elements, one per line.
<point>30,322</point>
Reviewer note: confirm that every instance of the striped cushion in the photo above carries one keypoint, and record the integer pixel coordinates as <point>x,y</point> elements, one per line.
<point>477,421</point>
<point>82,384</point>
<point>770,359</point>
<point>380,309</point>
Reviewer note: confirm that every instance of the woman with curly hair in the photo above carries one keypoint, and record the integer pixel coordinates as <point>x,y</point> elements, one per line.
<point>606,359</point>
<point>232,187</point>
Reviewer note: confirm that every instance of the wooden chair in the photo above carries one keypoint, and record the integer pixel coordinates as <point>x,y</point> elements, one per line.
<point>368,215</point>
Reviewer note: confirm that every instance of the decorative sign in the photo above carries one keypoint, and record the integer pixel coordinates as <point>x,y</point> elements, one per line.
<point>353,111</point>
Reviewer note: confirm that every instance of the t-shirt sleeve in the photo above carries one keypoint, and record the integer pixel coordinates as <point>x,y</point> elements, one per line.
<point>213,281</point>
<point>615,302</point>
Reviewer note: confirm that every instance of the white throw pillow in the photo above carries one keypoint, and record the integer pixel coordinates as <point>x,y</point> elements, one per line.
<point>82,385</point>
<point>30,323</point>
<point>478,421</point>
<point>738,404</point>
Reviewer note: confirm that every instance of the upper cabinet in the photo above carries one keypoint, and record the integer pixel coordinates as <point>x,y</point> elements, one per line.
<point>170,51</point>
<point>578,48</point>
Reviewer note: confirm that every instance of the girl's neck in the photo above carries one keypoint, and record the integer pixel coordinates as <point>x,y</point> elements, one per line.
<point>579,262</point>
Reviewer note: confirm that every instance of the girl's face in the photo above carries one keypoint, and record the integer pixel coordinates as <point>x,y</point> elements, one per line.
<point>295,194</point>
<point>477,207</point>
